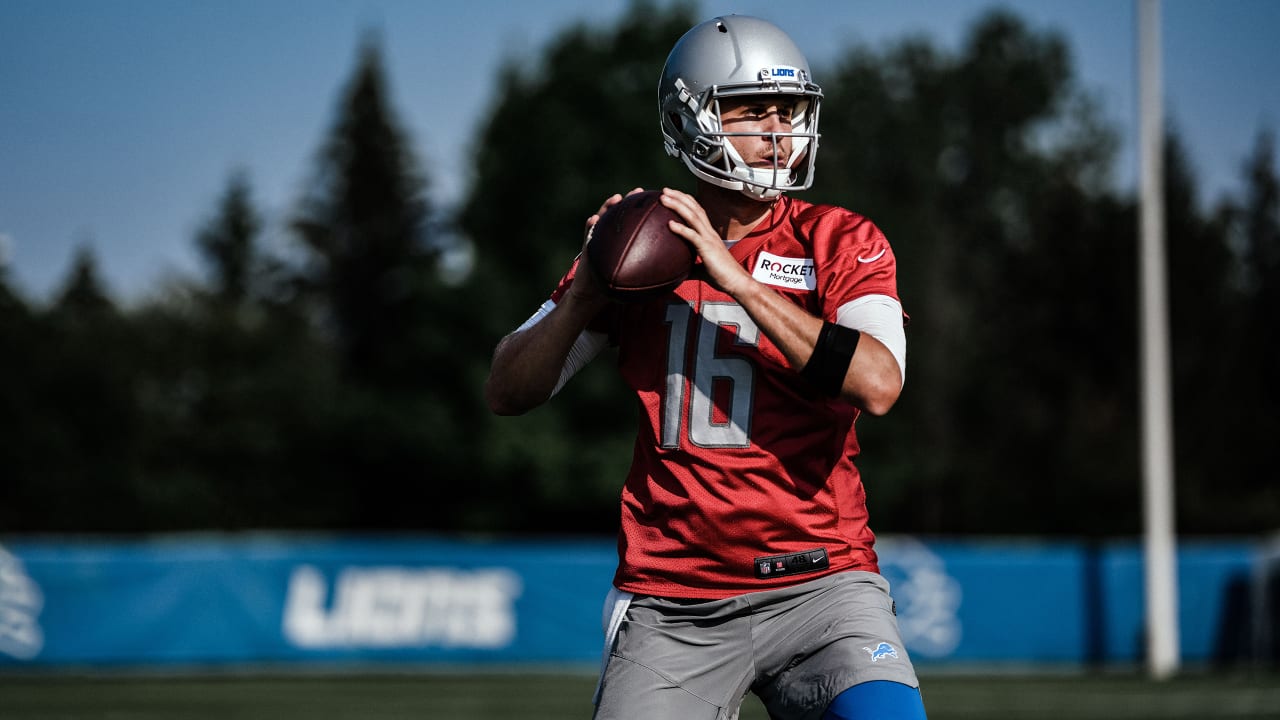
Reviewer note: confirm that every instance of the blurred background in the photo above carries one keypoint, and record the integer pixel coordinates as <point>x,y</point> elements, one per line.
<point>254,257</point>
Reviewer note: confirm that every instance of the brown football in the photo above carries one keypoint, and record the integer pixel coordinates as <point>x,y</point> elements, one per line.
<point>633,251</point>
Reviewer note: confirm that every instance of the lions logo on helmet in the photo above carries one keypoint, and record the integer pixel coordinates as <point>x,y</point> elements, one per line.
<point>732,56</point>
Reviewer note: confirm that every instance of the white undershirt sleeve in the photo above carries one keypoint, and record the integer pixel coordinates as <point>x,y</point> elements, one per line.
<point>585,348</point>
<point>879,316</point>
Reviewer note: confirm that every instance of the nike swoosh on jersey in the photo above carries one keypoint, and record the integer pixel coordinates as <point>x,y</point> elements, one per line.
<point>873,258</point>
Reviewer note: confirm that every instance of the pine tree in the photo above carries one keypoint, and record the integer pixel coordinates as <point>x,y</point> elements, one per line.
<point>228,241</point>
<point>83,296</point>
<point>17,337</point>
<point>364,223</point>
<point>81,445</point>
<point>404,430</point>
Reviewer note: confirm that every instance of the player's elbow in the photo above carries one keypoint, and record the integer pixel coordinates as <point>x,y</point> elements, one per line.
<point>512,395</point>
<point>876,393</point>
<point>497,406</point>
<point>501,402</point>
<point>878,404</point>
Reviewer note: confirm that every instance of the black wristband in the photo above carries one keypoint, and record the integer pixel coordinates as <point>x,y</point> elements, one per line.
<point>830,359</point>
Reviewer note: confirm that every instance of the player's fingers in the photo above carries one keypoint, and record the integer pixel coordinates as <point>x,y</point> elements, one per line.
<point>677,200</point>
<point>673,198</point>
<point>681,203</point>
<point>681,229</point>
<point>612,200</point>
<point>690,211</point>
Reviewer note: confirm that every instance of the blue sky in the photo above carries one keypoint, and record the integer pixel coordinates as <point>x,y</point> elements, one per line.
<point>122,121</point>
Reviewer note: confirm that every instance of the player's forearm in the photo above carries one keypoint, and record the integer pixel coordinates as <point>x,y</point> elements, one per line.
<point>873,379</point>
<point>527,364</point>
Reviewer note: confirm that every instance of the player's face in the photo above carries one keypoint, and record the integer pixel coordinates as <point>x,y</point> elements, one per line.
<point>761,114</point>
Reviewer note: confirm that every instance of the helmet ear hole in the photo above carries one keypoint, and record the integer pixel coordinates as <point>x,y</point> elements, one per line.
<point>693,138</point>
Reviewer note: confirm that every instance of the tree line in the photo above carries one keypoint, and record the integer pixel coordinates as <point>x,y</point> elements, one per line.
<point>339,387</point>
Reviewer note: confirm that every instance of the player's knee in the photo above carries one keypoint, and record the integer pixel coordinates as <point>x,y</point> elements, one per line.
<point>877,700</point>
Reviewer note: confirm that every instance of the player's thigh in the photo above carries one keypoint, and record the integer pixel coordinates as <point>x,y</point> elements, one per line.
<point>677,659</point>
<point>849,634</point>
<point>631,690</point>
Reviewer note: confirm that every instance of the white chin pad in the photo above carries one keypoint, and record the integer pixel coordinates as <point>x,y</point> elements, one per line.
<point>759,182</point>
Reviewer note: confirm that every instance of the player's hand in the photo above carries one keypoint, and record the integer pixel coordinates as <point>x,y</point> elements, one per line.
<point>586,286</point>
<point>609,202</point>
<point>720,267</point>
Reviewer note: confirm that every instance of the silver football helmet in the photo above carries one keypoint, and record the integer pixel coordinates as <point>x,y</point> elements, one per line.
<point>730,56</point>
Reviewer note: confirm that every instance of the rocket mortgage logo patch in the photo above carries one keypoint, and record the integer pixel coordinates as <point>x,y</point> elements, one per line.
<point>791,273</point>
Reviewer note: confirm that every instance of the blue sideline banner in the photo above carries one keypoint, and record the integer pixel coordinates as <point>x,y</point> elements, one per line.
<point>1062,604</point>
<point>226,600</point>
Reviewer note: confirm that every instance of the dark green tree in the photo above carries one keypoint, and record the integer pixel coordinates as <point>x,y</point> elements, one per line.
<point>1227,347</point>
<point>987,170</point>
<point>1018,261</point>
<point>236,390</point>
<point>79,436</point>
<point>17,336</point>
<point>227,244</point>
<point>11,303</point>
<point>364,223</point>
<point>83,297</point>
<point>403,436</point>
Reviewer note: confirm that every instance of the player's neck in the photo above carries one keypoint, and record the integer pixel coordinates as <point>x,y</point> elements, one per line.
<point>732,214</point>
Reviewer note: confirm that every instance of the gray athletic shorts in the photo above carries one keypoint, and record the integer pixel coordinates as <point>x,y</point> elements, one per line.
<point>796,648</point>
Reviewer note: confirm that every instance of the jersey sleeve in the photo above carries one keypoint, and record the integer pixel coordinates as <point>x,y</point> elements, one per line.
<point>604,322</point>
<point>563,286</point>
<point>853,259</point>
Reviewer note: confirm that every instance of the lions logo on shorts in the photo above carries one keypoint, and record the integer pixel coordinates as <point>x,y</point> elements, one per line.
<point>883,650</point>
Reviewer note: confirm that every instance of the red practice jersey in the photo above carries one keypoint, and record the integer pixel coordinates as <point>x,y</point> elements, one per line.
<point>738,458</point>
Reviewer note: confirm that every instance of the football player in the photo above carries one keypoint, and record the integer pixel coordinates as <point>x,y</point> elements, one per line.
<point>746,561</point>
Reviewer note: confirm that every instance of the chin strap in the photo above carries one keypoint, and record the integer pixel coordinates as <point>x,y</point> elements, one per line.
<point>757,183</point>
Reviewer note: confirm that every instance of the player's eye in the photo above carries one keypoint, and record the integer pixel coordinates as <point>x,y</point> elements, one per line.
<point>764,110</point>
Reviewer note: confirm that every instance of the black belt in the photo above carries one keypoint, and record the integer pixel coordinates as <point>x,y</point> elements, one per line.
<point>792,564</point>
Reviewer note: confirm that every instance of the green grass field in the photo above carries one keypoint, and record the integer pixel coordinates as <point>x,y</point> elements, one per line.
<point>489,696</point>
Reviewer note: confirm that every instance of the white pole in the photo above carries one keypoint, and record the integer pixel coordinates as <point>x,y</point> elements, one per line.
<point>1157,413</point>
